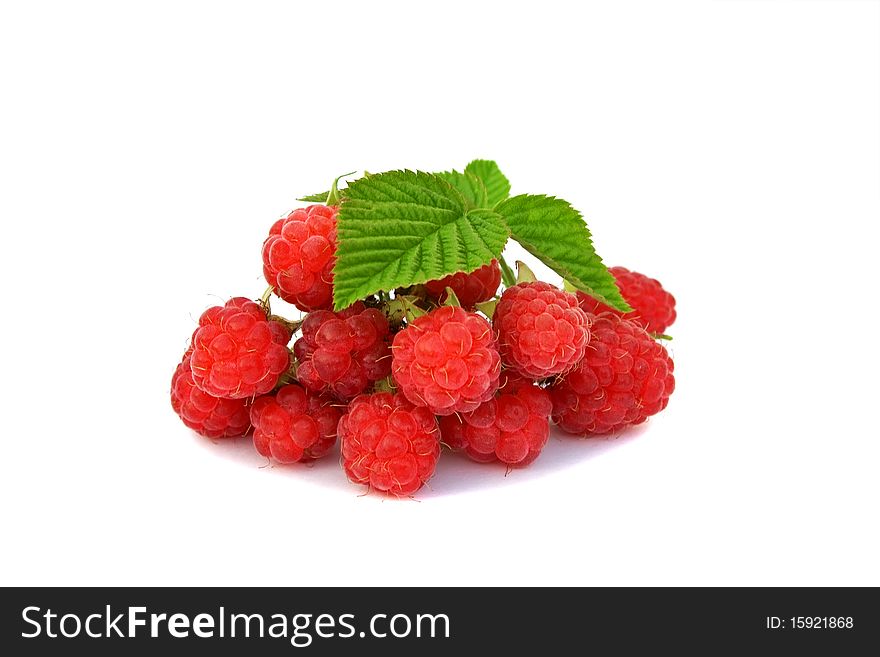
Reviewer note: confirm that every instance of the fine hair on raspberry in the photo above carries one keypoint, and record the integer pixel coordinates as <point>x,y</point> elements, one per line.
<point>299,255</point>
<point>625,377</point>
<point>345,352</point>
<point>512,427</point>
<point>294,424</point>
<point>542,331</point>
<point>446,361</point>
<point>237,352</point>
<point>205,414</point>
<point>388,444</point>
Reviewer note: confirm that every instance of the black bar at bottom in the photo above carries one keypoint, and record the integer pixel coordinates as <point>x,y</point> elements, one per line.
<point>435,621</point>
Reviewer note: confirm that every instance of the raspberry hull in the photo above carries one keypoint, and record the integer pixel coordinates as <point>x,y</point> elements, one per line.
<point>203,413</point>
<point>299,255</point>
<point>389,444</point>
<point>512,428</point>
<point>541,330</point>
<point>237,352</point>
<point>625,377</point>
<point>446,361</point>
<point>470,289</point>
<point>343,353</point>
<point>294,424</point>
<point>653,307</point>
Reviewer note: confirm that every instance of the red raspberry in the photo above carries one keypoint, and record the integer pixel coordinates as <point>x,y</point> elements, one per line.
<point>299,254</point>
<point>625,377</point>
<point>653,307</point>
<point>541,330</point>
<point>237,352</point>
<point>389,444</point>
<point>343,352</point>
<point>294,424</point>
<point>447,361</point>
<point>471,289</point>
<point>511,428</point>
<point>203,413</point>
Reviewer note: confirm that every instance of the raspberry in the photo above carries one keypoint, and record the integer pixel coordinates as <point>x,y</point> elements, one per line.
<point>294,424</point>
<point>343,352</point>
<point>512,428</point>
<point>237,352</point>
<point>541,329</point>
<point>471,289</point>
<point>389,444</point>
<point>446,361</point>
<point>203,413</point>
<point>653,307</point>
<point>299,254</point>
<point>625,377</point>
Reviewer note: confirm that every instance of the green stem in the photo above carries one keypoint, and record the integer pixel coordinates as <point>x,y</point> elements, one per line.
<point>333,197</point>
<point>292,326</point>
<point>264,300</point>
<point>507,274</point>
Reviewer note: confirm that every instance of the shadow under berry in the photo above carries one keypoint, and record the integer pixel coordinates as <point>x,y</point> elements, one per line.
<point>455,474</point>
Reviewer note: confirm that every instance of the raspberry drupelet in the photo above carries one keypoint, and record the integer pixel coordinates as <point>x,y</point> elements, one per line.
<point>345,352</point>
<point>512,427</point>
<point>299,255</point>
<point>541,330</point>
<point>472,288</point>
<point>237,352</point>
<point>203,413</point>
<point>625,377</point>
<point>446,361</point>
<point>294,424</point>
<point>389,444</point>
<point>653,307</point>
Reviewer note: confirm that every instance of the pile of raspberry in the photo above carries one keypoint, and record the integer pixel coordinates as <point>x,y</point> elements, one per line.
<point>471,366</point>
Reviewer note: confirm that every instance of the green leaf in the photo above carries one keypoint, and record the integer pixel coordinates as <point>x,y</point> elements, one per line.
<point>497,185</point>
<point>326,196</point>
<point>315,198</point>
<point>471,187</point>
<point>402,228</point>
<point>555,233</point>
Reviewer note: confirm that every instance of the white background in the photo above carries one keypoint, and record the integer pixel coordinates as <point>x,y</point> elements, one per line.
<point>731,149</point>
